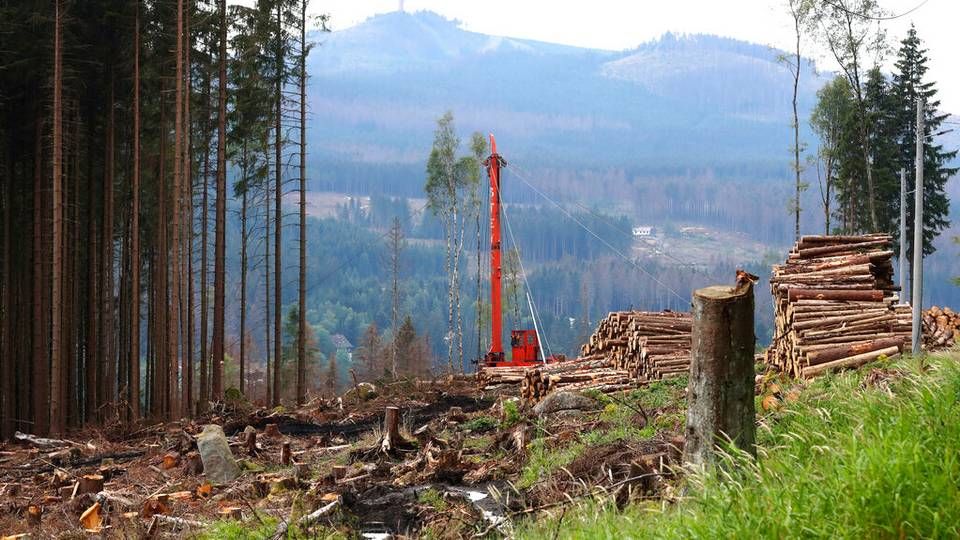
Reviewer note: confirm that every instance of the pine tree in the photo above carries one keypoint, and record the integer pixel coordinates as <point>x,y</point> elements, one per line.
<point>883,150</point>
<point>910,84</point>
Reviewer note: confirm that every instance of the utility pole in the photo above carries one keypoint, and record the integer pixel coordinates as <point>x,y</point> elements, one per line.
<point>917,297</point>
<point>904,293</point>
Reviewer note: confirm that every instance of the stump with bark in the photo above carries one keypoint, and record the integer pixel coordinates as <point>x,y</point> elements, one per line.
<point>720,404</point>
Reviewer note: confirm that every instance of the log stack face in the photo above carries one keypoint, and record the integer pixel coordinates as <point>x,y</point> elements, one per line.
<point>941,328</point>
<point>628,349</point>
<point>836,305</point>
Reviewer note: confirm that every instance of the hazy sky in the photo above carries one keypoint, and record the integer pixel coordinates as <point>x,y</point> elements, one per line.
<point>623,24</point>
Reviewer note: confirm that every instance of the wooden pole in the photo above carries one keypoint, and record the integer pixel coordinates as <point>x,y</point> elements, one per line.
<point>720,394</point>
<point>902,262</point>
<point>917,296</point>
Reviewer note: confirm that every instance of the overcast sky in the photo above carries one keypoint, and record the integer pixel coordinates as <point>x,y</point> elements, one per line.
<point>623,24</point>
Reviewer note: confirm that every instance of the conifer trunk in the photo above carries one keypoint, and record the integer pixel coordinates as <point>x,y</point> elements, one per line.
<point>55,410</point>
<point>221,217</point>
<point>133,371</point>
<point>302,289</point>
<point>278,214</point>
<point>204,293</point>
<point>40,372</point>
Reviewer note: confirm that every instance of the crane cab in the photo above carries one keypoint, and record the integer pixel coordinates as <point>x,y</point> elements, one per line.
<point>525,346</point>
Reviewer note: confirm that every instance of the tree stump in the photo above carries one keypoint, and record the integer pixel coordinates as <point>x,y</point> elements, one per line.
<point>90,483</point>
<point>720,394</point>
<point>272,431</point>
<point>285,453</point>
<point>391,429</point>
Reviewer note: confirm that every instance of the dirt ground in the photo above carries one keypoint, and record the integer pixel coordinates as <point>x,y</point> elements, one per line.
<point>467,464</point>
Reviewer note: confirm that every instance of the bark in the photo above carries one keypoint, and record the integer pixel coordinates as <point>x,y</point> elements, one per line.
<point>134,368</point>
<point>302,289</point>
<point>56,409</point>
<point>835,294</point>
<point>278,214</point>
<point>221,216</point>
<point>6,308</point>
<point>41,374</point>
<point>720,395</point>
<point>267,296</point>
<point>243,279</point>
<point>108,344</point>
<point>187,401</point>
<point>204,243</point>
<point>173,329</point>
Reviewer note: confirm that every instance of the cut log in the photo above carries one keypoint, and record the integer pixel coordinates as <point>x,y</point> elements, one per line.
<point>851,362</point>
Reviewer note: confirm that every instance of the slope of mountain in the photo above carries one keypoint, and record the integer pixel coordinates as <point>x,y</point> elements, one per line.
<point>679,105</point>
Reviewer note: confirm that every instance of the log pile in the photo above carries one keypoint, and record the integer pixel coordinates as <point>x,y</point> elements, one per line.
<point>940,328</point>
<point>647,345</point>
<point>628,349</point>
<point>836,305</point>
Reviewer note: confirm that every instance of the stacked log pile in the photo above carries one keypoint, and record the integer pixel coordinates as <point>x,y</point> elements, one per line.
<point>628,349</point>
<point>940,328</point>
<point>647,345</point>
<point>836,305</point>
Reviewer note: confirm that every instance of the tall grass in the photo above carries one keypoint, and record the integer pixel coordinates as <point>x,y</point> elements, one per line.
<point>844,461</point>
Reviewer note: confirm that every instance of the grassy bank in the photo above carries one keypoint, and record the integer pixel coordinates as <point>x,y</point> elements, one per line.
<point>867,454</point>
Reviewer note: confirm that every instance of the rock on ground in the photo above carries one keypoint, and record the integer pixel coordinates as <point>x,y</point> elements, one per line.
<point>564,401</point>
<point>218,462</point>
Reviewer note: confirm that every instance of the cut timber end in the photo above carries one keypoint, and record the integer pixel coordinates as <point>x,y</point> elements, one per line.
<point>720,394</point>
<point>721,292</point>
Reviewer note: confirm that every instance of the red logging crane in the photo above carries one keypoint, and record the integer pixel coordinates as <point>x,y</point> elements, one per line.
<point>525,344</point>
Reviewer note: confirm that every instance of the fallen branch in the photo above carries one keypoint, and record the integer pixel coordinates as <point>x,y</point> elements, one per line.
<point>305,521</point>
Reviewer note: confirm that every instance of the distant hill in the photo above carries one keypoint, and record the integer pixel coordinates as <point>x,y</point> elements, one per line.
<point>670,106</point>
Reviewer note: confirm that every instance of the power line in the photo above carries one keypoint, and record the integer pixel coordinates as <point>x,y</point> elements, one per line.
<point>598,237</point>
<point>608,221</point>
<point>875,18</point>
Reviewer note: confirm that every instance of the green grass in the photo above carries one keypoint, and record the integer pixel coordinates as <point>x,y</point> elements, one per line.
<point>619,425</point>
<point>842,462</point>
<point>434,499</point>
<point>237,530</point>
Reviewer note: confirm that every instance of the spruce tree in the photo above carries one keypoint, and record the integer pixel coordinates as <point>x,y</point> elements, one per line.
<point>908,85</point>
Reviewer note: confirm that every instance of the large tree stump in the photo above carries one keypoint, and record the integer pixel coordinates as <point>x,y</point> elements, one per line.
<point>720,394</point>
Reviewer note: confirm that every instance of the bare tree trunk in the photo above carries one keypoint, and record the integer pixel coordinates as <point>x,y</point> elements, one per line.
<point>108,341</point>
<point>187,400</point>
<point>395,239</point>
<point>204,214</point>
<point>56,344</point>
<point>796,118</point>
<point>176,236</point>
<point>7,306</point>
<point>302,289</point>
<point>243,276</point>
<point>278,217</point>
<point>41,373</point>
<point>220,241</point>
<point>160,369</point>
<point>267,292</point>
<point>133,389</point>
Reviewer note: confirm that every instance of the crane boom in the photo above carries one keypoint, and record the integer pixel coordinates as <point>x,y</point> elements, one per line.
<point>496,324</point>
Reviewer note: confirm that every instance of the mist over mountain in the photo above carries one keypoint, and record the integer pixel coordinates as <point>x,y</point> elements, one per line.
<point>675,105</point>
